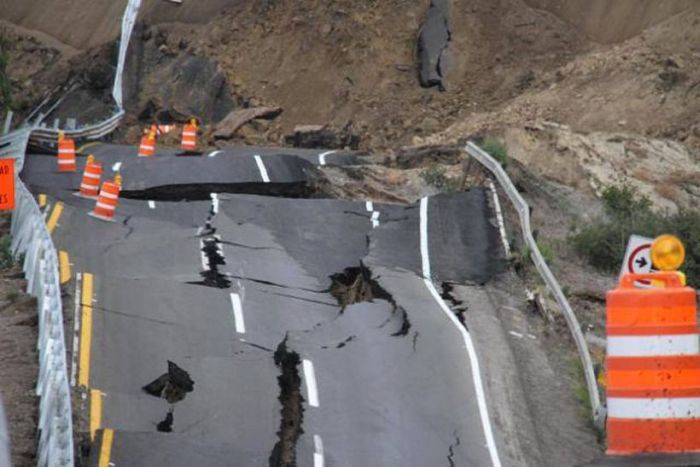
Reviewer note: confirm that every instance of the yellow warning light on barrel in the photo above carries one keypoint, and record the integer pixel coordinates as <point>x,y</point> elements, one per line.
<point>667,253</point>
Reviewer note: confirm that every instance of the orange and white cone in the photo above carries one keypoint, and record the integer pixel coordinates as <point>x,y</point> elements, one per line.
<point>90,185</point>
<point>189,136</point>
<point>107,200</point>
<point>147,148</point>
<point>66,154</point>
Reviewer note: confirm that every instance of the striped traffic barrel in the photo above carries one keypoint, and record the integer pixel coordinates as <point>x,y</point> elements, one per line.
<point>653,367</point>
<point>107,201</point>
<point>66,155</point>
<point>189,137</point>
<point>90,185</point>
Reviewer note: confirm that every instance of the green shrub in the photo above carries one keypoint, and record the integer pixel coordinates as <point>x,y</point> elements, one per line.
<point>5,88</point>
<point>436,177</point>
<point>496,150</point>
<point>603,242</point>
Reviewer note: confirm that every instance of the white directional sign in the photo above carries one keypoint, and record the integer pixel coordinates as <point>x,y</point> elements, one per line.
<point>638,256</point>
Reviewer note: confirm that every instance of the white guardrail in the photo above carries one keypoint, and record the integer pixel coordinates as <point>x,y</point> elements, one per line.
<point>523,210</point>
<point>31,240</point>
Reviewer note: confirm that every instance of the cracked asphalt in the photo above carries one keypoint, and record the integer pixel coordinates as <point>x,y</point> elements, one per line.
<point>382,383</point>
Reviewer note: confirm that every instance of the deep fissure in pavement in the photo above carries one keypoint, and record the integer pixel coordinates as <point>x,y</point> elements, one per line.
<point>213,252</point>
<point>292,413</point>
<point>172,386</point>
<point>202,191</point>
<point>457,306</point>
<point>356,285</point>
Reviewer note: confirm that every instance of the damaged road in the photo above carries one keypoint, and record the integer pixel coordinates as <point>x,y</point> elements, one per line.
<point>294,328</point>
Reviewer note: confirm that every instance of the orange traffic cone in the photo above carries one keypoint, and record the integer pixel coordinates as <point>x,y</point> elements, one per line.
<point>90,186</point>
<point>148,144</point>
<point>108,200</point>
<point>66,153</point>
<point>189,136</point>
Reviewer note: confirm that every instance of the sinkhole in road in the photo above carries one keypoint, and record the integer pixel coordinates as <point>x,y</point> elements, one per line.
<point>292,413</point>
<point>356,285</point>
<point>172,386</point>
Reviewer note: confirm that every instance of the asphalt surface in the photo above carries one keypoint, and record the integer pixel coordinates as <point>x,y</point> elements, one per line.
<point>216,286</point>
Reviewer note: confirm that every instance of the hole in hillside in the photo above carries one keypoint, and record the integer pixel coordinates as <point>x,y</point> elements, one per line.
<point>356,285</point>
<point>292,413</point>
<point>457,306</point>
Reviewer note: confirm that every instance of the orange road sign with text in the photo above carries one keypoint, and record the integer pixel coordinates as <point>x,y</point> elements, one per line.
<point>7,184</point>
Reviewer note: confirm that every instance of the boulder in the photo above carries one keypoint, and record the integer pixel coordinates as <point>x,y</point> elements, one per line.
<point>237,118</point>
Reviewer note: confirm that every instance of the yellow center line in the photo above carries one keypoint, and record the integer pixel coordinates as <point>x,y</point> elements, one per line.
<point>64,263</point>
<point>106,449</point>
<point>85,146</point>
<point>95,412</point>
<point>55,215</point>
<point>42,200</point>
<point>85,331</point>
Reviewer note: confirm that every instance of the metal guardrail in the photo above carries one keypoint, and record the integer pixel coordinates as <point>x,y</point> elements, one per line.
<point>523,210</point>
<point>31,239</point>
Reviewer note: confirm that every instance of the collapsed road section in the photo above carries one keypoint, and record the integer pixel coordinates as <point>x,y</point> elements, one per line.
<point>370,370</point>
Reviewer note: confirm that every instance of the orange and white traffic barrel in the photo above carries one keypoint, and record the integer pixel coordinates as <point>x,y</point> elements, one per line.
<point>90,185</point>
<point>66,154</point>
<point>165,129</point>
<point>653,367</point>
<point>107,200</point>
<point>147,148</point>
<point>189,136</point>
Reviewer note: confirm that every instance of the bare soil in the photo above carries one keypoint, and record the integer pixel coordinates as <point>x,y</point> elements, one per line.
<point>18,361</point>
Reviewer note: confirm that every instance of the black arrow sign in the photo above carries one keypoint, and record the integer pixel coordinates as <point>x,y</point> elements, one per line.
<point>641,262</point>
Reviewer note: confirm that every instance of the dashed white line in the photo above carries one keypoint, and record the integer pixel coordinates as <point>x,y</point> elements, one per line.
<point>238,320</point>
<point>319,458</point>
<point>466,337</point>
<point>322,157</point>
<point>152,204</point>
<point>310,378</point>
<point>369,206</point>
<point>205,260</point>
<point>76,328</point>
<point>214,153</point>
<point>215,203</point>
<point>262,169</point>
<point>116,167</point>
<point>375,219</point>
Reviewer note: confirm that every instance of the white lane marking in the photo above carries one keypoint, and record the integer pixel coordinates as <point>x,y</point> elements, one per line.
<point>215,203</point>
<point>516,334</point>
<point>116,167</point>
<point>499,217</point>
<point>76,328</point>
<point>375,219</point>
<point>319,459</point>
<point>466,337</point>
<point>310,378</point>
<point>214,153</point>
<point>152,204</point>
<point>322,157</point>
<point>656,408</point>
<point>650,346</point>
<point>262,169</point>
<point>369,206</point>
<point>205,260</point>
<point>238,320</point>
